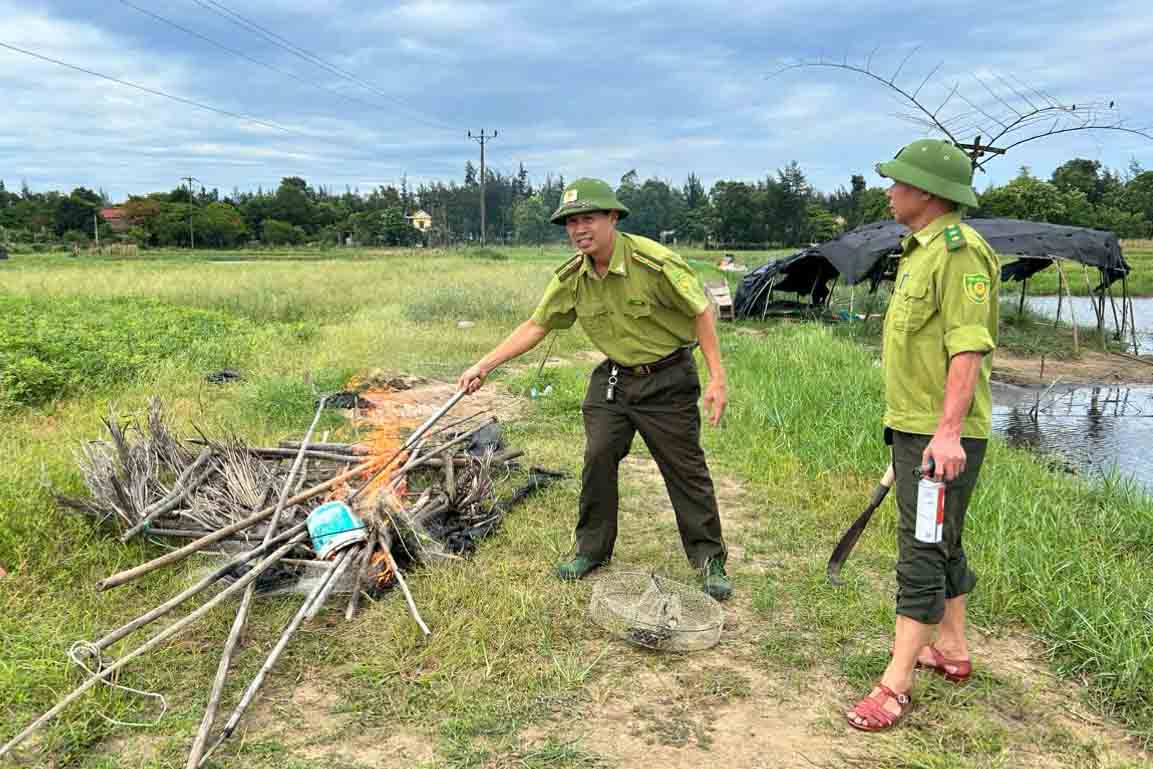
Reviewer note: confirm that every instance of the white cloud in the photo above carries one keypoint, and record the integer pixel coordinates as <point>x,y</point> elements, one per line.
<point>667,88</point>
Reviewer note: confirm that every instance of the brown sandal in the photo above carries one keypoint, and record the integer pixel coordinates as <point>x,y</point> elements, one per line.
<point>872,710</point>
<point>961,669</point>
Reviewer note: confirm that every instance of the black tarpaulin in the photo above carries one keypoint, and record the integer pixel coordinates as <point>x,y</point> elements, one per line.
<point>862,254</point>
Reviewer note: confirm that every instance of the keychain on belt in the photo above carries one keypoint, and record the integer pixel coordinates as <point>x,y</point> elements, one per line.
<point>610,391</point>
<point>930,506</point>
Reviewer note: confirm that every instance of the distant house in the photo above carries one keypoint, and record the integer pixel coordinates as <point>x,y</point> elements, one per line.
<point>117,219</point>
<point>422,220</point>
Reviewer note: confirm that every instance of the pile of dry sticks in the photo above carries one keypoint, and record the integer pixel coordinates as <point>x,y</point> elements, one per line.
<point>429,499</point>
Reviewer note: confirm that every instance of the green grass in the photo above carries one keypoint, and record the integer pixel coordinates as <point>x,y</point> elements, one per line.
<point>1140,279</point>
<point>1026,334</point>
<point>1065,561</point>
<point>51,348</point>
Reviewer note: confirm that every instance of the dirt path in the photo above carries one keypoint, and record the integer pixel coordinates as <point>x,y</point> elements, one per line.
<point>1093,367</point>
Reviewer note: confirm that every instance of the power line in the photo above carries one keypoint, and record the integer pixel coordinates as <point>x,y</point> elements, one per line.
<point>315,60</point>
<point>251,59</point>
<point>153,91</point>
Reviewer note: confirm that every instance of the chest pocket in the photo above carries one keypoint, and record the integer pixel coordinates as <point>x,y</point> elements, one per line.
<point>594,317</point>
<point>638,308</point>
<point>915,304</point>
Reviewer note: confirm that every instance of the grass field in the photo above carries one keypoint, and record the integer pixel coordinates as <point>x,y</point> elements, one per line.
<point>515,676</point>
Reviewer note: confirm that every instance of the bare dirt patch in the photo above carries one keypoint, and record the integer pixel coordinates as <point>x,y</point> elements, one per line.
<point>421,398</point>
<point>305,720</point>
<point>705,713</point>
<point>1021,662</point>
<point>1092,367</point>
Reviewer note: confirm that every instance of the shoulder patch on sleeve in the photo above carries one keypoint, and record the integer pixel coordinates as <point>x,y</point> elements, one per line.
<point>977,285</point>
<point>954,238</point>
<point>569,268</point>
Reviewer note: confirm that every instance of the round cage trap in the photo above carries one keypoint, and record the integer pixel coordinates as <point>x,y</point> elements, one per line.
<point>656,612</point>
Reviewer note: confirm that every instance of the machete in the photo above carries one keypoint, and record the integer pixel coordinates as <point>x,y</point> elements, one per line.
<point>849,538</point>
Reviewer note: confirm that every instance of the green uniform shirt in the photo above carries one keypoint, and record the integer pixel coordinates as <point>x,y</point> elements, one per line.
<point>944,303</point>
<point>644,308</point>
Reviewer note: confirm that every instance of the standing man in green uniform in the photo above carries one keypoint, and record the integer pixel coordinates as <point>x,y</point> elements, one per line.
<point>940,332</point>
<point>644,308</point>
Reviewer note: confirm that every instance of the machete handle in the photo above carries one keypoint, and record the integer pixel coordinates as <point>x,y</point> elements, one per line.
<point>849,539</point>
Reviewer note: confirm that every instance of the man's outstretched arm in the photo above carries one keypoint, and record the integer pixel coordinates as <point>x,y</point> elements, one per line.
<point>526,336</point>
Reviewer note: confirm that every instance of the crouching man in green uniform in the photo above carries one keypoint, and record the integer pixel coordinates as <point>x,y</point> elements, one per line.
<point>644,308</point>
<point>940,332</point>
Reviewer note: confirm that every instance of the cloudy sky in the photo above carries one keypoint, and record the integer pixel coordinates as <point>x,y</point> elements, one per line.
<point>592,88</point>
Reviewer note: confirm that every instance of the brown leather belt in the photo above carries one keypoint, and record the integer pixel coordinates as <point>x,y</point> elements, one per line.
<point>646,369</point>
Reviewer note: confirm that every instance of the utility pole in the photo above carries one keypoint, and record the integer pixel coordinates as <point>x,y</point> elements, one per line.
<point>481,139</point>
<point>96,227</point>
<point>191,205</point>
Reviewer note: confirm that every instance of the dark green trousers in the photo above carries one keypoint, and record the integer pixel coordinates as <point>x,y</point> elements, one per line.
<point>662,407</point>
<point>928,574</point>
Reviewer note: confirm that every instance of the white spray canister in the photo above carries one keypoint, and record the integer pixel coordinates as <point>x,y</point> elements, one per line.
<point>930,508</point>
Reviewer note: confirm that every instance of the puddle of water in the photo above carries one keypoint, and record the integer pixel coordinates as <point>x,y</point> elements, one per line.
<point>1083,309</point>
<point>1095,429</point>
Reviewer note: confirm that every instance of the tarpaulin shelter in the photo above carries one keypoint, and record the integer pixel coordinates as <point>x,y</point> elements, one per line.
<point>863,254</point>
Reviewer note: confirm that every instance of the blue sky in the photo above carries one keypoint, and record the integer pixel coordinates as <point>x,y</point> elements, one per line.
<point>593,88</point>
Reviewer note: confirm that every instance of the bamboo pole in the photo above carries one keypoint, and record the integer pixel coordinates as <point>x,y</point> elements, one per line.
<point>1113,305</point>
<point>1099,311</point>
<point>241,619</point>
<point>152,643</point>
<point>279,453</point>
<point>1072,311</point>
<point>272,658</point>
<point>343,561</point>
<point>386,551</point>
<point>358,579</point>
<point>195,589</point>
<point>338,448</point>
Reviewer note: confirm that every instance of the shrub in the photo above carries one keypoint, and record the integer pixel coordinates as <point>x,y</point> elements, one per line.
<point>485,252</point>
<point>53,347</point>
<point>26,379</point>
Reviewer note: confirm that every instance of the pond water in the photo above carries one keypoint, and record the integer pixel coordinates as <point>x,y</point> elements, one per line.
<point>1095,430</point>
<point>1083,309</point>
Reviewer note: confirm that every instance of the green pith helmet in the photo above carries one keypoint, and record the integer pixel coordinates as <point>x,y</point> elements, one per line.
<point>936,166</point>
<point>585,195</point>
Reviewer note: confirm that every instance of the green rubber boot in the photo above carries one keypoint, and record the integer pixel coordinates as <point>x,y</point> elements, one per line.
<point>717,584</point>
<point>577,568</point>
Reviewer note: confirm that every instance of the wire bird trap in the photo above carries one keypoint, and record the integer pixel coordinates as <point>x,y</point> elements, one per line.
<point>655,612</point>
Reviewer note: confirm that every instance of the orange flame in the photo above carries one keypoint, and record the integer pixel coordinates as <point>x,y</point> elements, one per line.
<point>383,442</point>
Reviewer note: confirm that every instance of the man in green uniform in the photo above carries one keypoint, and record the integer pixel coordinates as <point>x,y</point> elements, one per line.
<point>940,332</point>
<point>643,307</point>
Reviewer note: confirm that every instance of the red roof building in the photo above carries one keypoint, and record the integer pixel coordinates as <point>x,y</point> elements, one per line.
<point>117,219</point>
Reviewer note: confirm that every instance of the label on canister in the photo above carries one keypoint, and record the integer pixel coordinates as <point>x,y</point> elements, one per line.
<point>930,511</point>
<point>332,526</point>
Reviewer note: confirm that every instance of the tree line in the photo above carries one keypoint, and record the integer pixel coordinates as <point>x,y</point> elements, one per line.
<point>781,209</point>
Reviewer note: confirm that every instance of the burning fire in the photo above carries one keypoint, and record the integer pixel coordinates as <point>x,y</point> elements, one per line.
<point>382,444</point>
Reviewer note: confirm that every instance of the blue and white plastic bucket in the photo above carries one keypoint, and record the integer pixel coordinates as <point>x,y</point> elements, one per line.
<point>333,526</point>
